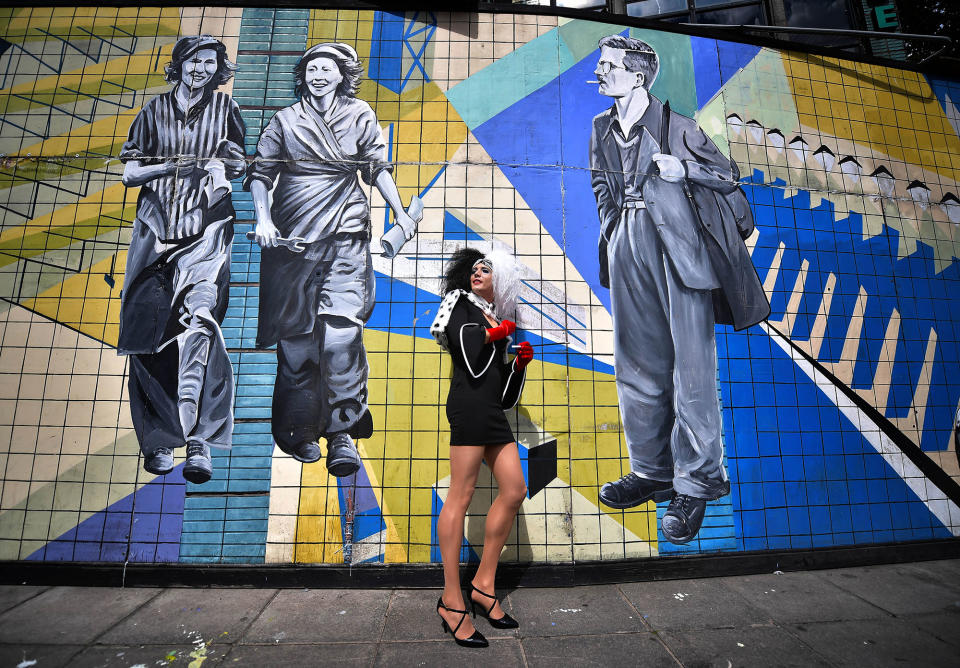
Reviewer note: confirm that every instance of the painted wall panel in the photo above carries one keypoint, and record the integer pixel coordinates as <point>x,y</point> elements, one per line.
<point>837,412</point>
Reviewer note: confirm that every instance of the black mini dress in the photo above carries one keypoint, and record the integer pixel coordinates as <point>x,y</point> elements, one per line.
<point>483,386</point>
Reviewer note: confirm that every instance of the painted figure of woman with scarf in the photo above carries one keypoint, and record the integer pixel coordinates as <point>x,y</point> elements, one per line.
<point>182,149</point>
<point>316,277</point>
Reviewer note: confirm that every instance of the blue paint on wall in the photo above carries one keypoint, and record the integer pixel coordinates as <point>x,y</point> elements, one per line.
<point>455,230</point>
<point>797,486</point>
<point>541,167</point>
<point>148,522</point>
<point>924,299</point>
<point>385,65</point>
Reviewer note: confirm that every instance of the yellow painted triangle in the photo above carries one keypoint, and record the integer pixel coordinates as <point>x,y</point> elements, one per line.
<point>91,216</point>
<point>427,132</point>
<point>349,26</point>
<point>894,111</point>
<point>86,302</point>
<point>26,23</point>
<point>408,441</point>
<point>393,551</point>
<point>138,71</point>
<point>68,153</point>
<point>319,537</point>
<point>411,433</point>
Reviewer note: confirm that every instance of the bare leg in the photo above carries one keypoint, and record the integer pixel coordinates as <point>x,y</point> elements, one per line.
<point>504,461</point>
<point>464,467</point>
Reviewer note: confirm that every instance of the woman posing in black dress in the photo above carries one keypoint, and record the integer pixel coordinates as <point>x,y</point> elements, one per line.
<point>472,325</point>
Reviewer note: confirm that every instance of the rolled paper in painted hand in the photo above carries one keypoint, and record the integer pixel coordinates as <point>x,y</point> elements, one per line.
<point>393,239</point>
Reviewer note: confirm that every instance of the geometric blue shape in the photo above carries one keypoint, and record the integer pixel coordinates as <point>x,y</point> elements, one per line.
<point>924,298</point>
<point>357,499</point>
<point>706,69</point>
<point>807,482</point>
<point>455,230</point>
<point>941,88</point>
<point>385,64</point>
<point>142,527</point>
<point>519,136</point>
<point>715,62</point>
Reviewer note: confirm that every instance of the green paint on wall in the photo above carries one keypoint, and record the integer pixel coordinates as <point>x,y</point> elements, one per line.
<point>581,37</point>
<point>676,81</point>
<point>761,92</point>
<point>485,94</point>
<point>498,86</point>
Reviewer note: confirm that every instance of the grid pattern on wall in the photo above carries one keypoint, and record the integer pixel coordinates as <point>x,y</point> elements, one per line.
<point>837,411</point>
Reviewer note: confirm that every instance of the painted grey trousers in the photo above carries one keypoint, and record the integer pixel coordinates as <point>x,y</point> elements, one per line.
<point>321,385</point>
<point>666,363</point>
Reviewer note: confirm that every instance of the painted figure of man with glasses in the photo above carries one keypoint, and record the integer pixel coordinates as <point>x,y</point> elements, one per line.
<point>672,225</point>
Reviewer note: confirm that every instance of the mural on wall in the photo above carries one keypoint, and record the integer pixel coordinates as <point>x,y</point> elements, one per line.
<point>672,224</point>
<point>831,419</point>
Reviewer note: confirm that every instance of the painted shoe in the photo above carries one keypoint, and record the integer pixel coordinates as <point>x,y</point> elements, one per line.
<point>683,518</point>
<point>632,490</point>
<point>342,456</point>
<point>160,462</point>
<point>307,452</point>
<point>198,468</point>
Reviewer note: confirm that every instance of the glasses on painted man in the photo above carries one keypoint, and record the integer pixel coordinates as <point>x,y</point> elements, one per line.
<point>605,66</point>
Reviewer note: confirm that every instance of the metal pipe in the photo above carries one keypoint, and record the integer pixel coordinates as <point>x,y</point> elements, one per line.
<point>827,31</point>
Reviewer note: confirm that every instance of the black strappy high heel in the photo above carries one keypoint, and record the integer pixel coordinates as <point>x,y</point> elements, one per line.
<point>505,622</point>
<point>476,640</point>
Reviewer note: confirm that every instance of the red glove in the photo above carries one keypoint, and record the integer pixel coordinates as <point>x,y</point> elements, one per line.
<point>502,331</point>
<point>524,356</point>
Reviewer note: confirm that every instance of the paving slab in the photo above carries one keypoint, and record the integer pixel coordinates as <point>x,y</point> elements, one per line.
<point>692,604</point>
<point>308,656</point>
<point>412,615</point>
<point>573,611</point>
<point>71,615</point>
<point>748,646</point>
<point>602,651</point>
<point>321,615</point>
<point>946,571</point>
<point>802,597</point>
<point>13,595</point>
<point>944,626</point>
<point>898,588</point>
<point>877,642</point>
<point>501,653</point>
<point>125,656</point>
<point>46,656</point>
<point>182,615</point>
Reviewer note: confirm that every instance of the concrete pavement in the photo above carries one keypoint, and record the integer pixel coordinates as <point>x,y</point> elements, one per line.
<point>902,614</point>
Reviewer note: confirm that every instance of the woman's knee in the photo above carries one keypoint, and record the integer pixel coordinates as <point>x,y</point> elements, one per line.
<point>514,494</point>
<point>458,500</point>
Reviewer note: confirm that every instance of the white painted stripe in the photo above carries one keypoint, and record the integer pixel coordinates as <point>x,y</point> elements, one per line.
<point>368,548</point>
<point>936,501</point>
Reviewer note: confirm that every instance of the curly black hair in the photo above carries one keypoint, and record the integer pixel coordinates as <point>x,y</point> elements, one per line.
<point>457,274</point>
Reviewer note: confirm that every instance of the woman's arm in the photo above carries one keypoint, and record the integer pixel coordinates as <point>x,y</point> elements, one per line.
<point>262,174</point>
<point>387,187</point>
<point>266,232</point>
<point>135,173</point>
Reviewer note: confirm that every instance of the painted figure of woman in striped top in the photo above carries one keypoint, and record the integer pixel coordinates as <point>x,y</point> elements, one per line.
<point>183,148</point>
